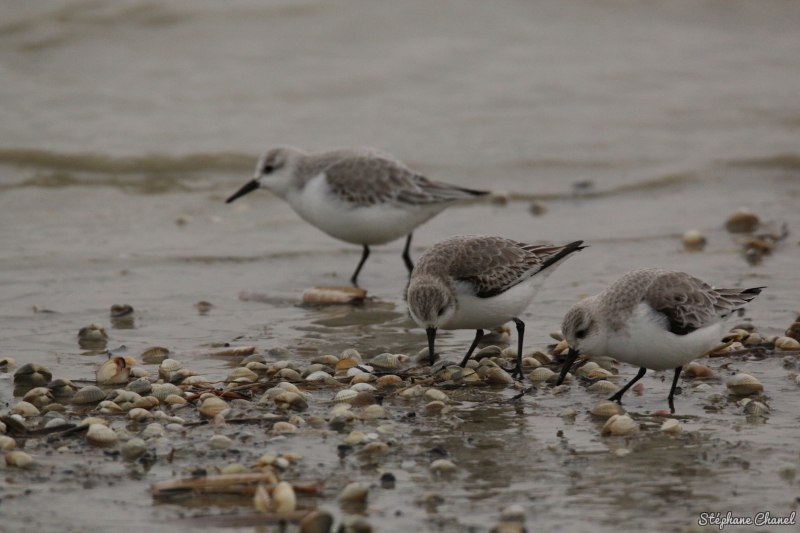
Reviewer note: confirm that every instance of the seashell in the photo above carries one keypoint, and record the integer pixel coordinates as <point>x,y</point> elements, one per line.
<point>317,521</point>
<point>289,374</point>
<point>411,392</point>
<point>33,375</point>
<point>213,406</point>
<point>742,221</point>
<point>373,412</point>
<point>333,295</point>
<point>671,426</point>
<point>385,361</point>
<point>155,355</point>
<point>560,347</point>
<point>442,466</point>
<point>598,373</point>
<point>55,422</point>
<point>168,367</point>
<point>57,407</point>
<point>140,386</point>
<point>252,358</point>
<point>109,407</point>
<point>242,372</point>
<point>7,443</point>
<point>488,351</point>
<point>152,430</point>
<point>542,357</point>
<point>744,384</point>
<point>794,330</point>
<point>284,427</point>
<point>39,397</point>
<point>787,343</point>
<point>351,353</point>
<point>693,241</point>
<point>120,310</point>
<point>148,402</point>
<point>290,400</point>
<point>6,362</point>
<point>607,409</point>
<point>19,459</point>
<point>363,398</point>
<point>353,492</point>
<point>363,387</point>
<point>529,363</point>
<point>554,378</point>
<point>361,369</point>
<point>261,500</point>
<point>284,498</point>
<point>196,381</point>
<point>140,414</point>
<point>174,400</point>
<point>101,435</point>
<point>320,376</point>
<point>389,380</point>
<point>162,390</point>
<point>435,405</point>
<point>219,441</point>
<point>498,375</point>
<point>509,353</point>
<point>93,333</point>
<point>696,370</point>
<point>603,386</point>
<point>354,437</point>
<point>541,374</point>
<point>327,360</point>
<point>756,408</point>
<point>436,394</point>
<point>587,369</point>
<point>619,425</point>
<point>344,396</point>
<point>114,371</point>
<point>89,394</point>
<point>133,448</point>
<point>346,364</point>
<point>139,372</point>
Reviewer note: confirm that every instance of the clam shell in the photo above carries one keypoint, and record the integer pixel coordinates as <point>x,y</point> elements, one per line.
<point>317,521</point>
<point>436,394</point>
<point>586,369</point>
<point>175,400</point>
<point>603,386</point>
<point>671,426</point>
<point>139,372</point>
<point>567,378</point>
<point>284,427</point>
<point>354,492</point>
<point>92,332</point>
<point>196,381</point>
<point>693,240</point>
<point>389,380</point>
<point>529,363</point>
<point>607,409</point>
<point>290,400</point>
<point>351,353</point>
<point>133,448</point>
<point>168,367</point>
<point>25,409</point>
<point>140,414</point>
<point>344,396</point>
<point>219,441</point>
<point>283,498</point>
<point>787,343</point>
<point>319,375</point>
<point>162,390</point>
<point>411,392</point>
<point>120,310</point>
<point>599,373</point>
<point>742,221</point>
<point>619,425</point>
<point>560,347</point>
<point>363,387</point>
<point>442,466</point>
<point>242,372</point>
<point>101,435</point>
<point>261,500</point>
<point>140,386</point>
<point>289,374</point>
<point>540,374</point>
<point>89,394</point>
<point>155,355</point>
<point>39,397</point>
<point>327,360</point>
<point>386,361</point>
<point>373,412</point>
<point>148,402</point>
<point>744,384</point>
<point>213,406</point>
<point>114,371</point>
<point>7,443</point>
<point>19,459</point>
<point>756,408</point>
<point>498,375</point>
<point>488,351</point>
<point>696,370</point>
<point>32,374</point>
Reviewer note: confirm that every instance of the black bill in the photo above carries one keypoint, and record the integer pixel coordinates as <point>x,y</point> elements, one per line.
<point>248,187</point>
<point>571,356</point>
<point>431,339</point>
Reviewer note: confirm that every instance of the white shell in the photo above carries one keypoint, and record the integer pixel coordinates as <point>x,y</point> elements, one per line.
<point>284,498</point>
<point>671,426</point>
<point>354,492</point>
<point>101,435</point>
<point>442,466</point>
<point>620,425</point>
<point>541,374</point>
<point>603,386</point>
<point>744,384</point>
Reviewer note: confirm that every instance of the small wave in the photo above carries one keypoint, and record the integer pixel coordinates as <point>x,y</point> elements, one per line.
<point>147,164</point>
<point>789,161</point>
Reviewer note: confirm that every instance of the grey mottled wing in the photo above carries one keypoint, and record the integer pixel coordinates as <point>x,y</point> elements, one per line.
<point>367,180</point>
<point>492,265</point>
<point>690,304</point>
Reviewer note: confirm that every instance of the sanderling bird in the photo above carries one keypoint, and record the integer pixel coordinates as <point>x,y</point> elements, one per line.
<point>358,195</point>
<point>477,282</point>
<point>651,318</point>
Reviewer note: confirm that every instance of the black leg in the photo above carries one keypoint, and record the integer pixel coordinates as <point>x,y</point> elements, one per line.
<point>520,334</point>
<point>364,256</point>
<point>672,390</point>
<point>618,396</point>
<point>406,255</point>
<point>478,337</point>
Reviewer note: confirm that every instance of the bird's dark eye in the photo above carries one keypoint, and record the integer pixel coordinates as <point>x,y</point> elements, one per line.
<point>581,333</point>
<point>267,169</point>
<point>441,311</point>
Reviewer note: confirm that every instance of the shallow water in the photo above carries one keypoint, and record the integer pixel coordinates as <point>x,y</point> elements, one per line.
<point>125,125</point>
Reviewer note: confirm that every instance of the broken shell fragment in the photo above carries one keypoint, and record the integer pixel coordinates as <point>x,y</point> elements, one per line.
<point>333,295</point>
<point>744,384</point>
